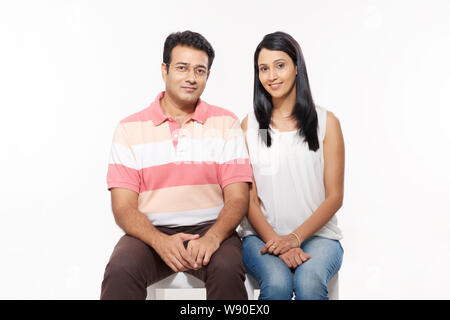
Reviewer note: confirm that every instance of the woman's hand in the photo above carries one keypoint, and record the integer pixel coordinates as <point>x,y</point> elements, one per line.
<point>294,257</point>
<point>280,244</point>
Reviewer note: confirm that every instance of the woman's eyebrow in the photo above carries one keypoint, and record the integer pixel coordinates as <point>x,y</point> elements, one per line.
<point>274,61</point>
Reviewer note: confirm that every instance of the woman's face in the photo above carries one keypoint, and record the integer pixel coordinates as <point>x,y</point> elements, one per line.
<point>277,72</point>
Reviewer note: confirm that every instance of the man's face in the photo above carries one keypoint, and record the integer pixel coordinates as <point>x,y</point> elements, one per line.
<point>187,76</point>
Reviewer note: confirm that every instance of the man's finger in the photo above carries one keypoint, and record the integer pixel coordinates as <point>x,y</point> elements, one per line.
<point>189,248</point>
<point>170,264</point>
<point>207,257</point>
<point>177,264</point>
<point>186,263</point>
<point>188,258</point>
<point>185,258</point>
<point>194,253</point>
<point>200,256</point>
<point>187,237</point>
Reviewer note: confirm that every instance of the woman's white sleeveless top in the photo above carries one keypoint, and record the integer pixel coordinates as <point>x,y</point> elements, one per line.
<point>289,179</point>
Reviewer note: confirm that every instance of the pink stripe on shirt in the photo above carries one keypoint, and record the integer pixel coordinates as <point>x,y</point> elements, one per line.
<point>143,159</point>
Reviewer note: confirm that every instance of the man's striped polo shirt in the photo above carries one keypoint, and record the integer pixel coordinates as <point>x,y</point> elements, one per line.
<point>179,173</point>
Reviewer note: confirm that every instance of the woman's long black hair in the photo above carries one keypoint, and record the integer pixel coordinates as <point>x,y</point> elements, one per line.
<point>304,109</point>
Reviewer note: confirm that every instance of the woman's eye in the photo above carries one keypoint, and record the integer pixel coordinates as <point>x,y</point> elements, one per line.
<point>263,69</point>
<point>280,65</point>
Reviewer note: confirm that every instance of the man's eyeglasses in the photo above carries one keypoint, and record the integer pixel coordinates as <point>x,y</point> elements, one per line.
<point>199,71</point>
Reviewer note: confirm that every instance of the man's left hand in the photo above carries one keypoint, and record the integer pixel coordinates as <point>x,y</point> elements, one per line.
<point>203,248</point>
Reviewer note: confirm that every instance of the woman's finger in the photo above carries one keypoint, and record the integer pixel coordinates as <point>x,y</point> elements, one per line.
<point>280,248</point>
<point>266,246</point>
<point>305,256</point>
<point>271,248</point>
<point>284,250</point>
<point>298,260</point>
<point>286,260</point>
<point>292,261</point>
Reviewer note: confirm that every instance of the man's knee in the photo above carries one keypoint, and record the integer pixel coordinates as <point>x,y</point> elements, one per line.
<point>124,269</point>
<point>225,275</point>
<point>227,262</point>
<point>227,265</point>
<point>129,259</point>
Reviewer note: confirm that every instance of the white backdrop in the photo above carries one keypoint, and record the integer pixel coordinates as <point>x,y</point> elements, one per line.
<point>70,70</point>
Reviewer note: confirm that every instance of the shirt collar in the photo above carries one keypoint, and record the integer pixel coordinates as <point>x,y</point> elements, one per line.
<point>158,117</point>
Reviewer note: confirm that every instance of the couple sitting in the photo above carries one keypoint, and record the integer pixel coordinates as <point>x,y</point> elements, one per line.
<point>197,191</point>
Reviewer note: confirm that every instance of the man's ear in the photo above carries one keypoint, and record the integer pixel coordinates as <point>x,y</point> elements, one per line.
<point>207,75</point>
<point>164,71</point>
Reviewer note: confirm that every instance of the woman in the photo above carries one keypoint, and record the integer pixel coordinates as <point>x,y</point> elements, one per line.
<point>290,236</point>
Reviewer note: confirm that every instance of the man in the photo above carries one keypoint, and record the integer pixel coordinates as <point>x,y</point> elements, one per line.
<point>178,176</point>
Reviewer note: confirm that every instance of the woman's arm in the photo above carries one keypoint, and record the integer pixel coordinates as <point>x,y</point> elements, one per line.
<point>255,215</point>
<point>334,159</point>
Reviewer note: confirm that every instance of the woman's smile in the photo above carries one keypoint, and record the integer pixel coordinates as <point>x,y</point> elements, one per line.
<point>275,86</point>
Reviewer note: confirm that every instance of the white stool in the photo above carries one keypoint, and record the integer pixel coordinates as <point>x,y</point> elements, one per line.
<point>183,286</point>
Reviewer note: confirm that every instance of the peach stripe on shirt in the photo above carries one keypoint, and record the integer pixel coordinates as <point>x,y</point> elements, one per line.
<point>181,198</point>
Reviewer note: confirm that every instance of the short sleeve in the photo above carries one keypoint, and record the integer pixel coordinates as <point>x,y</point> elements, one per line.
<point>122,168</point>
<point>322,122</point>
<point>234,165</point>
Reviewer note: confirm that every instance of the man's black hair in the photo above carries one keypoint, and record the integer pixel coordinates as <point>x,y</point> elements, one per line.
<point>189,39</point>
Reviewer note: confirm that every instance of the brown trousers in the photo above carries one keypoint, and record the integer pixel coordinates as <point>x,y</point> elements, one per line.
<point>134,266</point>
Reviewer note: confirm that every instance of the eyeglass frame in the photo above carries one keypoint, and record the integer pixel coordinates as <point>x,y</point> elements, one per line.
<point>188,68</point>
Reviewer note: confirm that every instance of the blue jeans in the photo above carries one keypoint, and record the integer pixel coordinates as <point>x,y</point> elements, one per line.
<point>308,281</point>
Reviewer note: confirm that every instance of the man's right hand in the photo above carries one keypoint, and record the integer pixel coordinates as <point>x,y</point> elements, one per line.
<point>171,249</point>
